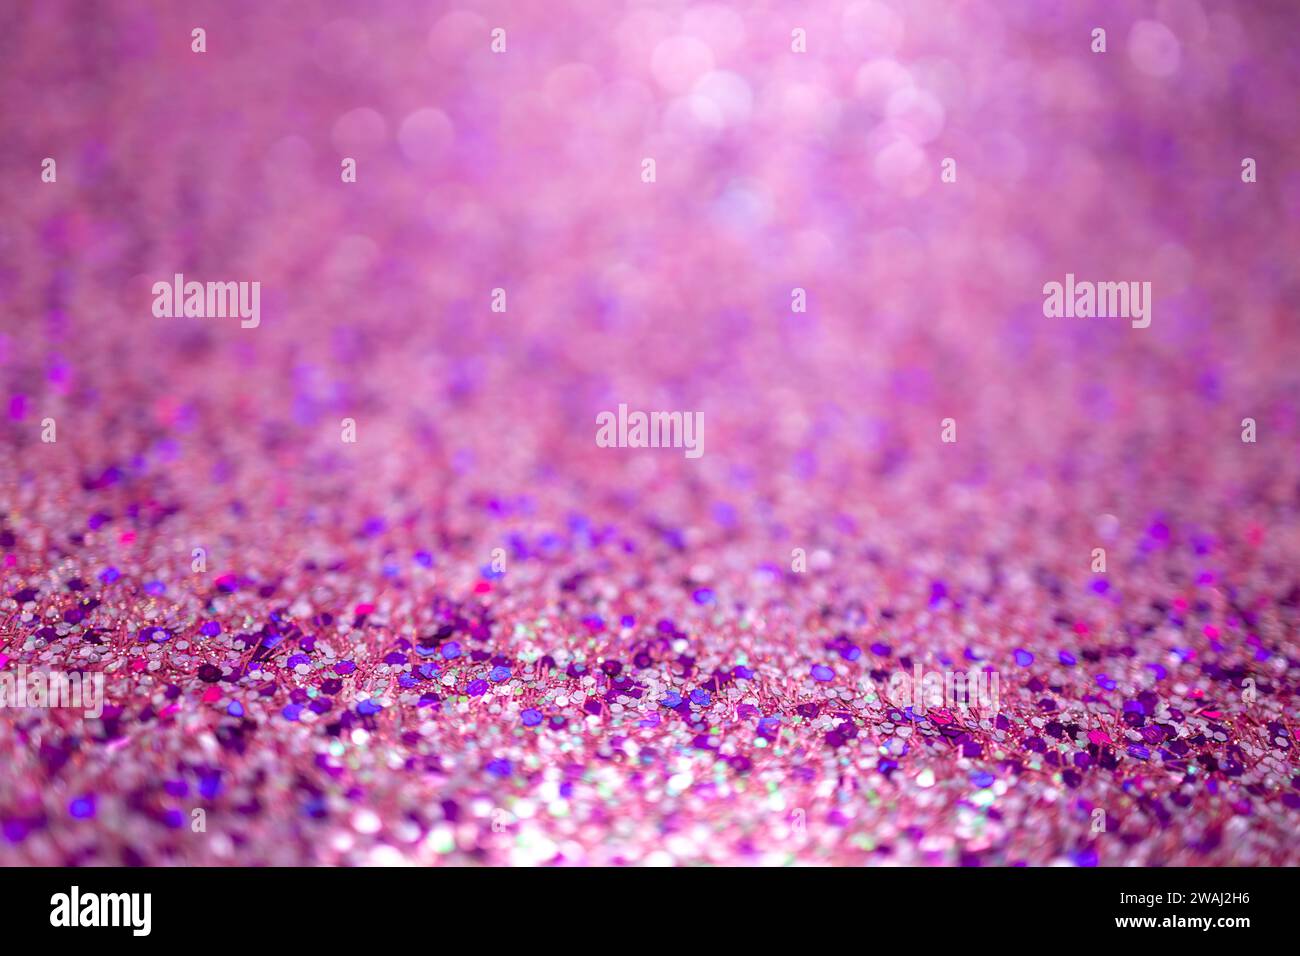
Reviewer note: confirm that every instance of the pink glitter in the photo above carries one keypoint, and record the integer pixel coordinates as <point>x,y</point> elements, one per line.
<point>473,635</point>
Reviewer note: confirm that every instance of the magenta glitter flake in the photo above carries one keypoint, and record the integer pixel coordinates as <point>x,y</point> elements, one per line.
<point>620,434</point>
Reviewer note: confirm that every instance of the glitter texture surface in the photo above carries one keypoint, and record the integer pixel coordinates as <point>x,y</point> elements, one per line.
<point>473,635</point>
